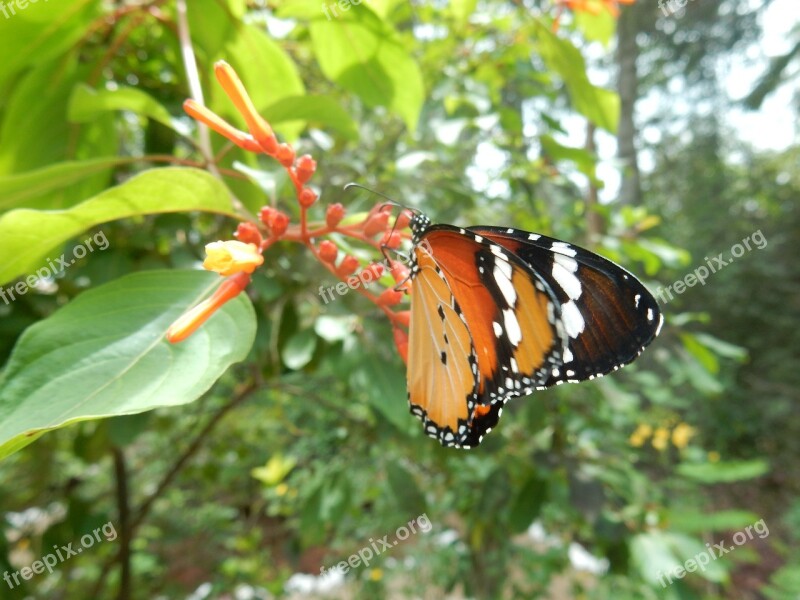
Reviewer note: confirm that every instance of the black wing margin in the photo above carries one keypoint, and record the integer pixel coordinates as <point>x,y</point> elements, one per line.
<point>608,314</point>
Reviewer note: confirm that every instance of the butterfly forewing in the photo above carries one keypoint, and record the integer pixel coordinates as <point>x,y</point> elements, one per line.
<point>608,315</point>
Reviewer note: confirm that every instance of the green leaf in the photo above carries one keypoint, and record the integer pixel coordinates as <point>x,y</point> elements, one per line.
<point>405,492</point>
<point>598,27</point>
<point>26,236</point>
<point>363,54</point>
<point>42,188</point>
<point>528,504</point>
<point>35,132</point>
<point>86,103</point>
<point>385,388</point>
<point>724,472</point>
<point>721,348</point>
<point>322,111</point>
<point>42,31</point>
<point>104,354</point>
<point>599,105</point>
<point>584,160</point>
<point>299,350</point>
<point>690,521</point>
<point>703,355</point>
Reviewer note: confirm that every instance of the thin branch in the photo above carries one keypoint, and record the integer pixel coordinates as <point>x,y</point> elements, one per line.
<point>124,553</point>
<point>144,509</point>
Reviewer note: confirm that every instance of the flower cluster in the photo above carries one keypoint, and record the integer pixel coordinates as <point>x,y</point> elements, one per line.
<point>592,7</point>
<point>660,436</point>
<point>237,259</point>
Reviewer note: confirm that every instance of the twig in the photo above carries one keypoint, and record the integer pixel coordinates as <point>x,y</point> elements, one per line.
<point>124,554</point>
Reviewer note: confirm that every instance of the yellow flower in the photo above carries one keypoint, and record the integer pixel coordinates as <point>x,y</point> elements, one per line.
<point>660,438</point>
<point>681,435</point>
<point>713,456</point>
<point>376,574</point>
<point>639,437</point>
<point>231,257</point>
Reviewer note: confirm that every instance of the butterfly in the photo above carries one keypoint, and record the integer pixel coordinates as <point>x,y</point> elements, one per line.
<point>498,313</point>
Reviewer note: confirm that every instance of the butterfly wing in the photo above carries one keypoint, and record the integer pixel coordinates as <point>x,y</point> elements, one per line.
<point>608,314</point>
<point>510,316</point>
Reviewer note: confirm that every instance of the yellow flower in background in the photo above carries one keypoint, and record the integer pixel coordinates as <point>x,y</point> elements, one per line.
<point>660,438</point>
<point>231,257</point>
<point>376,574</point>
<point>639,437</point>
<point>681,435</point>
<point>713,456</point>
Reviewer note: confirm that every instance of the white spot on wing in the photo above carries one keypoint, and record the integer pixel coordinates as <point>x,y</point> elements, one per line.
<point>502,276</point>
<point>649,314</point>
<point>533,236</point>
<point>498,329</point>
<point>573,319</point>
<point>568,355</point>
<point>512,327</point>
<point>636,299</point>
<point>564,268</point>
<point>563,248</point>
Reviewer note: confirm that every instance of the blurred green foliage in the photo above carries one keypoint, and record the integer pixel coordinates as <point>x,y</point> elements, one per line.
<point>300,455</point>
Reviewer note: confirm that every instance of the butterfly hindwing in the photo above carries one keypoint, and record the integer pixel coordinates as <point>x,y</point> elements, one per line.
<point>609,316</point>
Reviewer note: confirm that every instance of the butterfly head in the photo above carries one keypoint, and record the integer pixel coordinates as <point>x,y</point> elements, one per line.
<point>418,224</point>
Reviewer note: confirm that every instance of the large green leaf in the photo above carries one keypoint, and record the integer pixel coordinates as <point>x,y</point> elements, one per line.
<point>104,354</point>
<point>323,111</point>
<point>86,104</point>
<point>26,236</point>
<point>599,105</point>
<point>41,31</point>
<point>724,472</point>
<point>364,55</point>
<point>36,133</point>
<point>41,188</point>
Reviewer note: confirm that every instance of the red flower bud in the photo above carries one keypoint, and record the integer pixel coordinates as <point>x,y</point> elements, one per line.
<point>403,219</point>
<point>305,168</point>
<point>376,223</point>
<point>392,239</point>
<point>401,341</point>
<point>372,273</point>
<point>248,233</point>
<point>348,266</point>
<point>328,251</point>
<point>266,215</point>
<point>334,215</point>
<point>403,317</point>
<point>307,197</point>
<point>280,223</point>
<point>399,271</point>
<point>285,154</point>
<point>275,220</point>
<point>390,297</point>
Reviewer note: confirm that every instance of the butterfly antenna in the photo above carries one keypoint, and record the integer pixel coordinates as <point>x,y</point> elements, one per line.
<point>389,200</point>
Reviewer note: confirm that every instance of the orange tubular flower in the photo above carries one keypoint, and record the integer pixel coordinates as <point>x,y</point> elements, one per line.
<point>234,88</point>
<point>190,321</point>
<point>595,7</point>
<point>231,257</point>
